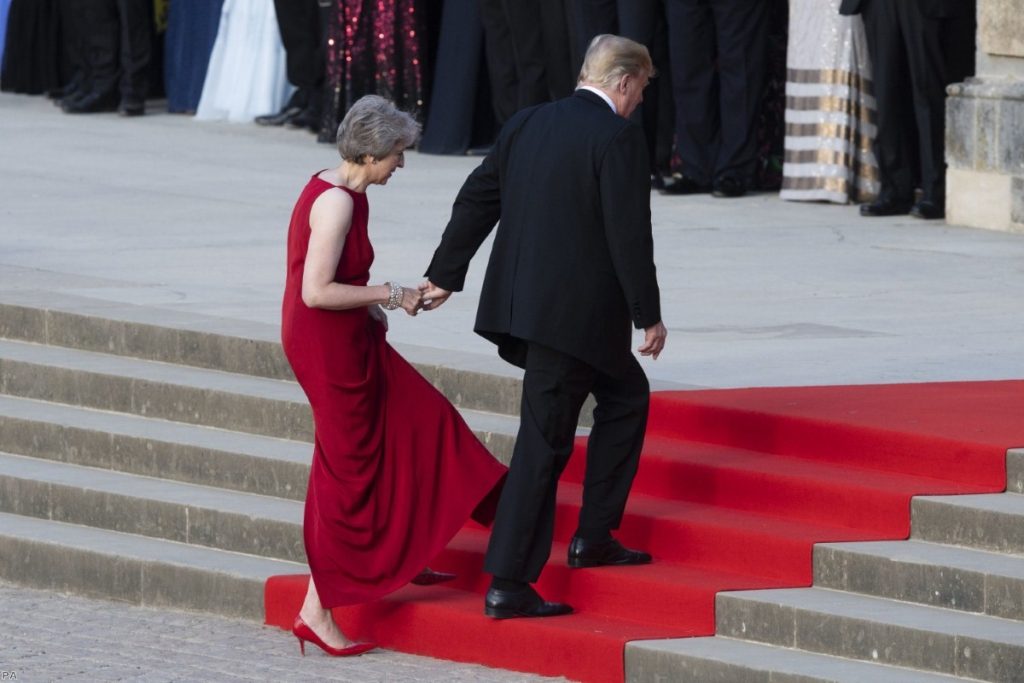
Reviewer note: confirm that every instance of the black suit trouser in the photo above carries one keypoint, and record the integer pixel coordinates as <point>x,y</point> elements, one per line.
<point>555,386</point>
<point>303,33</point>
<point>906,48</point>
<point>717,108</point>
<point>117,40</point>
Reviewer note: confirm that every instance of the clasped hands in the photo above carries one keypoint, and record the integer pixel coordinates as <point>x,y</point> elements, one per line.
<point>426,297</point>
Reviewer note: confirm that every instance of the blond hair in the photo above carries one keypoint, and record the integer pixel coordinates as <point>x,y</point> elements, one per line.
<point>611,57</point>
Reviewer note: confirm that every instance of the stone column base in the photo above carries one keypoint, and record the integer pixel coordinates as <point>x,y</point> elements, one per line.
<point>985,153</point>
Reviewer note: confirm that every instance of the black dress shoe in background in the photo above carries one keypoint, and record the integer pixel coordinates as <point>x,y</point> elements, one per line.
<point>91,103</point>
<point>600,553</point>
<point>684,185</point>
<point>728,187</point>
<point>131,106</point>
<point>525,602</point>
<point>307,118</point>
<point>280,118</point>
<point>885,207</point>
<point>928,210</point>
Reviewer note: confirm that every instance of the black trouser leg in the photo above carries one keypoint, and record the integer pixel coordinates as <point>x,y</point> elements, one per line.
<point>922,38</point>
<point>101,42</point>
<point>613,449</point>
<point>589,18</point>
<point>691,35</point>
<point>893,140</point>
<point>742,35</point>
<point>644,22</point>
<point>554,388</point>
<point>523,17</point>
<point>302,32</point>
<point>135,18</point>
<point>501,63</point>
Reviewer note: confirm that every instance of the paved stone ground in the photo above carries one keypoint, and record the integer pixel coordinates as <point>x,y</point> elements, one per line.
<point>168,212</point>
<point>46,636</point>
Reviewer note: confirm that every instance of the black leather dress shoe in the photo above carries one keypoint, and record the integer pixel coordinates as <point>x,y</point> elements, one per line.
<point>280,118</point>
<point>728,187</point>
<point>885,207</point>
<point>307,118</point>
<point>91,103</point>
<point>596,554</point>
<point>525,602</point>
<point>928,210</point>
<point>131,106</point>
<point>684,185</point>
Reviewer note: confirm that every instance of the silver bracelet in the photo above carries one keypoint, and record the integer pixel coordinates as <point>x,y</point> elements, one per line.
<point>395,297</point>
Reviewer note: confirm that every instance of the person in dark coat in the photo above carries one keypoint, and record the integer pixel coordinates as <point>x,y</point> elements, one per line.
<point>303,33</point>
<point>917,48</point>
<point>571,267</point>
<point>718,53</point>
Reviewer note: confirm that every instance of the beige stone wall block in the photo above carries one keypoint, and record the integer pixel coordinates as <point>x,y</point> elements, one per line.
<point>1001,27</point>
<point>979,200</point>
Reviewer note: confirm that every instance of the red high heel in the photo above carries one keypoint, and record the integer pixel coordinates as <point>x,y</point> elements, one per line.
<point>303,632</point>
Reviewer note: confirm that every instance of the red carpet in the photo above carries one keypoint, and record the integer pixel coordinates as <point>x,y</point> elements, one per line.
<point>734,488</point>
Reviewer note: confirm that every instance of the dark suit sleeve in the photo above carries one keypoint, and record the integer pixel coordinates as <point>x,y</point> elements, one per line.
<point>626,204</point>
<point>474,214</point>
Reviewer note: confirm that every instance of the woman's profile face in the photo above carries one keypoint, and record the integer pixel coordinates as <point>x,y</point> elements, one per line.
<point>387,166</point>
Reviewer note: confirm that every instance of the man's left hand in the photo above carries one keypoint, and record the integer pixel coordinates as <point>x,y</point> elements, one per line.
<point>654,340</point>
<point>433,296</point>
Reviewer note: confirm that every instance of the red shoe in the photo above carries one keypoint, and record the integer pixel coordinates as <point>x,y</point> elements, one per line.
<point>428,577</point>
<point>303,632</point>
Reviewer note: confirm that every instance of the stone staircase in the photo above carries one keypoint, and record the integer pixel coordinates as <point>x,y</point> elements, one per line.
<point>948,604</point>
<point>161,458</point>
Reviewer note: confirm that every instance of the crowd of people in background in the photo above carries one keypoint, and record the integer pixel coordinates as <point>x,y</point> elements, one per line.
<point>823,100</point>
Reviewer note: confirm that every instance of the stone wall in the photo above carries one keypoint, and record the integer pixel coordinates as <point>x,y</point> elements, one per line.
<point>985,126</point>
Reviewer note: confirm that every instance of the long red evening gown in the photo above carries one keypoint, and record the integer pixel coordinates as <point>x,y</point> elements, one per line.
<point>396,472</point>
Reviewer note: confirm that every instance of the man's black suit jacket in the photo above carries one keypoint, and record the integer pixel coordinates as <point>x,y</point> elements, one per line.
<point>931,8</point>
<point>572,263</point>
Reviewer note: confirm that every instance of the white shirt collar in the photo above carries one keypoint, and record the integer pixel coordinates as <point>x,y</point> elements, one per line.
<point>600,93</point>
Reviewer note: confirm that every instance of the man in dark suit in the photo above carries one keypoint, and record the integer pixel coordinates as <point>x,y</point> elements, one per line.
<point>571,267</point>
<point>917,48</point>
<point>718,53</point>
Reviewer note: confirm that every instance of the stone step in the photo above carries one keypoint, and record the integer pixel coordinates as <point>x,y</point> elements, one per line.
<point>196,396</point>
<point>158,508</point>
<point>182,452</point>
<point>58,319</point>
<point>926,573</point>
<point>985,521</point>
<point>135,569</point>
<point>1015,470</point>
<point>878,630</point>
<point>726,660</point>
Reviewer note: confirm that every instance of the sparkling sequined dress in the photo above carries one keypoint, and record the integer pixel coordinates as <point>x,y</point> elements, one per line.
<point>396,471</point>
<point>830,111</point>
<point>374,47</point>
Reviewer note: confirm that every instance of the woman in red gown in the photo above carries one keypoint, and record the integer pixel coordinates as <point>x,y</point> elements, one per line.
<point>396,472</point>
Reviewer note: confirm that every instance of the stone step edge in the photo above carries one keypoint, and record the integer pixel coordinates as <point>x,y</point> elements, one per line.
<point>984,521</point>
<point>183,394</point>
<point>195,454</point>
<point>926,573</point>
<point>867,628</point>
<point>466,379</point>
<point>717,658</point>
<point>158,508</point>
<point>134,569</point>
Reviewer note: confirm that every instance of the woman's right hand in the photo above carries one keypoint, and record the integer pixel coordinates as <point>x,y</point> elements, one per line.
<point>412,300</point>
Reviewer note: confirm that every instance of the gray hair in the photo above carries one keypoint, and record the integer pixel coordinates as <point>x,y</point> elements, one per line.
<point>610,57</point>
<point>373,127</point>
